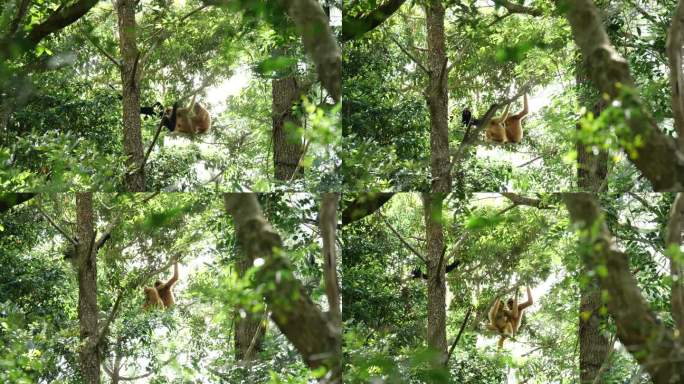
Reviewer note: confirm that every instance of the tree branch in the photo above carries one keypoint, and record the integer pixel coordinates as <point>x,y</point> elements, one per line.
<point>518,8</point>
<point>458,337</point>
<point>354,27</point>
<point>403,241</point>
<point>524,200</point>
<point>363,205</point>
<point>639,329</point>
<point>57,227</point>
<point>471,136</point>
<point>407,53</point>
<point>654,153</point>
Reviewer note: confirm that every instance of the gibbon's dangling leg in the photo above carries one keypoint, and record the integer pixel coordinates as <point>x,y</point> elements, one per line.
<point>152,299</point>
<point>164,289</point>
<point>187,121</point>
<point>513,124</point>
<point>495,130</point>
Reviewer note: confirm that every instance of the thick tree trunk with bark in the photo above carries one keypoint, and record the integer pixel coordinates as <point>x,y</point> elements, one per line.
<point>674,241</point>
<point>328,224</point>
<point>644,335</point>
<point>437,96</point>
<point>249,332</point>
<point>287,141</point>
<point>592,170</point>
<point>130,81</point>
<point>319,42</point>
<point>297,317</point>
<point>436,284</point>
<point>89,355</point>
<point>657,156</point>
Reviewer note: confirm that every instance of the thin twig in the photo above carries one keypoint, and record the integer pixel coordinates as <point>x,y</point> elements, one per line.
<point>57,227</point>
<point>458,337</point>
<point>407,53</point>
<point>409,246</point>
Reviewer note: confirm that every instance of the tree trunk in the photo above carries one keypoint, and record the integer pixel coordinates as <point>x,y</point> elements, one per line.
<point>287,141</point>
<point>328,225</point>
<point>436,284</point>
<point>437,96</point>
<point>247,328</point>
<point>645,336</point>
<point>89,354</point>
<point>656,156</point>
<point>292,310</point>
<point>130,81</point>
<point>592,170</point>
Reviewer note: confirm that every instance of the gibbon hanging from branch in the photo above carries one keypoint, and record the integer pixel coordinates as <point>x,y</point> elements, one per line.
<point>495,130</point>
<point>161,295</point>
<point>505,319</point>
<point>513,124</point>
<point>194,120</point>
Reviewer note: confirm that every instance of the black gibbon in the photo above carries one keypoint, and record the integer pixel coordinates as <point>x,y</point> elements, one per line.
<point>496,130</point>
<point>183,120</point>
<point>164,289</point>
<point>418,274</point>
<point>152,299</point>
<point>154,110</point>
<point>468,120</point>
<point>513,124</point>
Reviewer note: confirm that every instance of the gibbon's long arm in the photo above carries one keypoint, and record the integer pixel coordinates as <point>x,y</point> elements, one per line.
<point>155,109</point>
<point>525,109</point>
<point>528,302</point>
<point>417,273</point>
<point>172,280</point>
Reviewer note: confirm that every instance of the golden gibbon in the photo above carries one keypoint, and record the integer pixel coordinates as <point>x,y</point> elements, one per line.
<point>513,124</point>
<point>496,130</point>
<point>164,289</point>
<point>506,321</point>
<point>186,121</point>
<point>152,299</point>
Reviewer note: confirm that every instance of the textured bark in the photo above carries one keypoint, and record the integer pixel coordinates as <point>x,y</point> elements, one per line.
<point>319,42</point>
<point>436,284</point>
<point>638,328</point>
<point>675,39</point>
<point>355,27</point>
<point>437,97</point>
<point>89,355</point>
<point>287,142</point>
<point>674,239</point>
<point>247,328</point>
<point>592,170</point>
<point>130,80</point>
<point>328,226</point>
<point>657,157</point>
<point>297,317</point>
